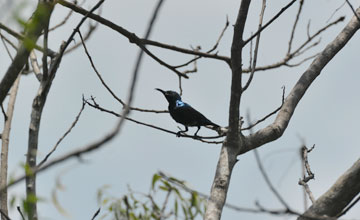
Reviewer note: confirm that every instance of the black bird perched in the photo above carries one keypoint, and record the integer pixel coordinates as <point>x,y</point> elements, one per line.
<point>184,114</point>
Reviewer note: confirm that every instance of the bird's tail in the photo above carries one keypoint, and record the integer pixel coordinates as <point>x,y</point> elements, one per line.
<point>214,127</point>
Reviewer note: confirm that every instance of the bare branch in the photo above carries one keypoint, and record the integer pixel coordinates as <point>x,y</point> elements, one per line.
<point>268,181</point>
<point>5,139</point>
<point>228,154</point>
<point>268,115</point>
<point>20,212</point>
<point>269,22</point>
<point>97,144</point>
<point>305,162</point>
<point>65,134</point>
<point>95,105</point>
<point>131,36</point>
<point>296,52</point>
<point>212,49</point>
<point>51,53</point>
<point>36,113</point>
<point>332,202</point>
<point>256,47</point>
<point>96,214</point>
<point>3,39</point>
<point>301,3</point>
<point>34,28</point>
<point>353,10</point>
<point>35,66</point>
<point>107,87</point>
<point>277,128</point>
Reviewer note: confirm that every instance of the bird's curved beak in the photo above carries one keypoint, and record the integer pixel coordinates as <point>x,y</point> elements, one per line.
<point>162,91</point>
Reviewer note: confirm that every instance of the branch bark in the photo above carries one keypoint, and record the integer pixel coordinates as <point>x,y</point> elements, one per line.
<point>338,196</point>
<point>5,148</point>
<point>33,30</point>
<point>229,149</point>
<point>278,127</point>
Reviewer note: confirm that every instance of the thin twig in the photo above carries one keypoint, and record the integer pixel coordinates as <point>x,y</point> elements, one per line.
<point>3,39</point>
<point>301,3</point>
<point>269,22</point>
<point>268,181</point>
<point>106,86</point>
<point>97,144</point>
<point>200,138</point>
<point>336,10</point>
<point>353,10</point>
<point>268,115</point>
<point>65,134</point>
<point>35,66</point>
<point>212,49</point>
<point>51,53</point>
<point>256,47</point>
<point>96,214</point>
<point>162,211</point>
<point>298,51</point>
<point>21,214</point>
<point>310,175</point>
<point>141,42</point>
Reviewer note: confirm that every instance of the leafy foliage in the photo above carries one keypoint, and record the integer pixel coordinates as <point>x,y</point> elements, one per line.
<point>165,200</point>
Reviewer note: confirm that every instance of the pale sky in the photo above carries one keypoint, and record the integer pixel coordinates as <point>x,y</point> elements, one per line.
<point>327,116</point>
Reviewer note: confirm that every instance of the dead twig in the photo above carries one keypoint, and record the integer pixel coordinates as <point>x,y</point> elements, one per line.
<point>310,175</point>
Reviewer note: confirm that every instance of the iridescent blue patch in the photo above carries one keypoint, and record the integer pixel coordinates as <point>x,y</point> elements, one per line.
<point>179,103</point>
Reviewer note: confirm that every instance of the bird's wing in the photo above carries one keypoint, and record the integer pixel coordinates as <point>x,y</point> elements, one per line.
<point>189,116</point>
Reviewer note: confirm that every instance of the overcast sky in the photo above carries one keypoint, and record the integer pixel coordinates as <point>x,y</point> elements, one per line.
<point>327,116</point>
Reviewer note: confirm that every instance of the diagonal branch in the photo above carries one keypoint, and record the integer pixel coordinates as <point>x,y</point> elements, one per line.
<point>277,128</point>
<point>269,22</point>
<point>339,195</point>
<point>131,36</point>
<point>107,87</point>
<point>34,28</point>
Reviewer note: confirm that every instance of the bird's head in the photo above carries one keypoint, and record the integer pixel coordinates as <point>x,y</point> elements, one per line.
<point>171,96</point>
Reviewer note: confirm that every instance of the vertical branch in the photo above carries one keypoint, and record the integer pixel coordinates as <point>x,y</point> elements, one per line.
<point>229,150</point>
<point>36,113</point>
<point>236,68</point>
<point>256,46</point>
<point>301,3</point>
<point>5,149</point>
<point>44,58</point>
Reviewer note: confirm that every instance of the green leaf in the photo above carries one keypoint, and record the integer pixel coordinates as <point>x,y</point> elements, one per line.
<point>155,178</point>
<point>164,188</point>
<point>176,207</point>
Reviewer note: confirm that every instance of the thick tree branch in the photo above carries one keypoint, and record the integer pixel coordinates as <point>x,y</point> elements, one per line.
<point>277,128</point>
<point>33,30</point>
<point>338,196</point>
<point>131,36</point>
<point>34,128</point>
<point>229,149</point>
<point>141,42</point>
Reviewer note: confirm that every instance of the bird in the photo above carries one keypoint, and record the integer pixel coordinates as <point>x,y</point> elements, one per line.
<point>184,114</point>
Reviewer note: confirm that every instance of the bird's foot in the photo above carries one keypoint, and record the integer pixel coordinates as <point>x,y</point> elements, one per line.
<point>178,134</point>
